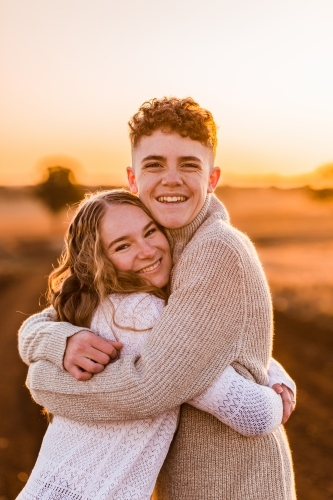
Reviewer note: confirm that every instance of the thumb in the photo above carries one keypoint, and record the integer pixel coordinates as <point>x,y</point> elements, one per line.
<point>277,388</point>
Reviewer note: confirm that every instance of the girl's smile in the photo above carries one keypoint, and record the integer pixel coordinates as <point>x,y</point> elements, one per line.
<point>133,242</point>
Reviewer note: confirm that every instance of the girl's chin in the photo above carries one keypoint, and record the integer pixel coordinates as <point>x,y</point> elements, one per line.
<point>159,283</point>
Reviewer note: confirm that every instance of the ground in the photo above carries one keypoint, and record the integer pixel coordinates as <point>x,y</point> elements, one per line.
<point>293,234</point>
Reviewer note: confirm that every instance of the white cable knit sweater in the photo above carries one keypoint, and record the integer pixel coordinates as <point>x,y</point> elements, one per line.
<point>121,460</point>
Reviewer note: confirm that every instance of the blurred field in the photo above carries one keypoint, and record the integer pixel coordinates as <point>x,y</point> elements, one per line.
<point>293,233</point>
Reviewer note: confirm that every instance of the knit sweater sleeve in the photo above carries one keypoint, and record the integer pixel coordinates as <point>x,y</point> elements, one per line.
<point>248,408</point>
<point>278,375</point>
<point>41,337</point>
<point>200,332</point>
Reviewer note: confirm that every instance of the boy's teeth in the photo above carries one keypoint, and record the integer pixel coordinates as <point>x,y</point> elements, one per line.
<point>150,268</point>
<point>171,199</point>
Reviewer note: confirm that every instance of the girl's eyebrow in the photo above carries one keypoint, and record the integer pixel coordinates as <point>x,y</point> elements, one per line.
<point>126,236</point>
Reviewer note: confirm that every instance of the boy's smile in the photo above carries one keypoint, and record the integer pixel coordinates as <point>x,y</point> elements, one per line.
<point>172,175</point>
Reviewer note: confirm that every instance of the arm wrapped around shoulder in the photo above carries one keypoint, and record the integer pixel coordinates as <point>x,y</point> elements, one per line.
<point>42,337</point>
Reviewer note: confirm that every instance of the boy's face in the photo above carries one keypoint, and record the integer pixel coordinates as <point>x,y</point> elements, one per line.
<point>172,175</point>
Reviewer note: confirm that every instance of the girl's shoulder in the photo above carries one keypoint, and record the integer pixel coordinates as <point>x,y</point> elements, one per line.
<point>138,311</point>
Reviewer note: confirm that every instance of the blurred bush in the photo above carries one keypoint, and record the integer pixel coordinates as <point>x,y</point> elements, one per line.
<point>321,194</point>
<point>59,189</point>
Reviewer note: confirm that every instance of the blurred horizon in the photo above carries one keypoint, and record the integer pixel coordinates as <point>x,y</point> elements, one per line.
<point>72,77</point>
<point>319,178</point>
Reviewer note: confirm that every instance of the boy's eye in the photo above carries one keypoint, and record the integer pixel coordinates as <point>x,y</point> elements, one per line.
<point>153,166</point>
<point>191,166</point>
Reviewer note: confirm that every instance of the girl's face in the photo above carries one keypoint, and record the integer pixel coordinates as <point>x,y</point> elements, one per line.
<point>133,242</point>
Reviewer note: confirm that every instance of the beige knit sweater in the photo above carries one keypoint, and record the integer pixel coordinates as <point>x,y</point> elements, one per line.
<point>219,313</point>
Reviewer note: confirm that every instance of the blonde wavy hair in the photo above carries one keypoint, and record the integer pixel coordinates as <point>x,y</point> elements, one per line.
<point>85,276</point>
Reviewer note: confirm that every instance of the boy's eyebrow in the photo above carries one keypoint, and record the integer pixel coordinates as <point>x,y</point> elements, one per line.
<point>124,237</point>
<point>190,158</point>
<point>154,157</point>
<point>163,158</point>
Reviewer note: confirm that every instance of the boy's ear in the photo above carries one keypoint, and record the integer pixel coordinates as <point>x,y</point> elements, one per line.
<point>131,180</point>
<point>214,179</point>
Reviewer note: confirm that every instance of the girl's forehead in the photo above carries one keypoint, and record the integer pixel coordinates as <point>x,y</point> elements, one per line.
<point>124,219</point>
<point>125,211</point>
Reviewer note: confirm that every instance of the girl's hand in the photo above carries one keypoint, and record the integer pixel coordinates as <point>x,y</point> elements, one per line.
<point>87,353</point>
<point>288,400</point>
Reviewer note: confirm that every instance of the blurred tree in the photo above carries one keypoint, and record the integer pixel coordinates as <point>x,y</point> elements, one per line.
<point>322,187</point>
<point>321,194</point>
<point>323,177</point>
<point>59,189</point>
<point>326,172</point>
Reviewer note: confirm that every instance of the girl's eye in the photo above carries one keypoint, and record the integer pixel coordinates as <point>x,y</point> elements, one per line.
<point>151,231</point>
<point>121,247</point>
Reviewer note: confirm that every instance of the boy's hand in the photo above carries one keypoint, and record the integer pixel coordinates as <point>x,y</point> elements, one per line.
<point>288,400</point>
<point>87,353</point>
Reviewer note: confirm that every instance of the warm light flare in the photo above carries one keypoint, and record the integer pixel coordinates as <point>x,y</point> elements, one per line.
<point>263,68</point>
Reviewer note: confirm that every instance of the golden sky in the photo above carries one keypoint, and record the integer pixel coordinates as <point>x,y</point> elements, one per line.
<point>72,72</point>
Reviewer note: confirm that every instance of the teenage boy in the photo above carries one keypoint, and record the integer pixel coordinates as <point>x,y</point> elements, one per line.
<point>219,313</point>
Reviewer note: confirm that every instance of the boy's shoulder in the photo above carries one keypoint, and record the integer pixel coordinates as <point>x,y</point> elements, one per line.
<point>217,229</point>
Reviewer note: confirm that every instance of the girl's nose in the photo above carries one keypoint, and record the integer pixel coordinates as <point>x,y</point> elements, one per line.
<point>146,250</point>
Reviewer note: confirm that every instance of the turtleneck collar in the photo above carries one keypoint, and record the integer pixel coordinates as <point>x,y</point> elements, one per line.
<point>180,237</point>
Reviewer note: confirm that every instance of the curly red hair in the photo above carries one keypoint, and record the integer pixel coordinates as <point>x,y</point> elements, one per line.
<point>171,114</point>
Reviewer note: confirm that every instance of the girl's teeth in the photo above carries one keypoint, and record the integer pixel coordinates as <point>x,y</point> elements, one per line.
<point>171,199</point>
<point>150,268</point>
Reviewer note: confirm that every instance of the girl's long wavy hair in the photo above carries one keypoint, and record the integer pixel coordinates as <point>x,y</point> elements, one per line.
<point>85,276</point>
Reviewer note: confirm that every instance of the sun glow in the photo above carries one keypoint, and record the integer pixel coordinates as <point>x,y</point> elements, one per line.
<point>73,77</point>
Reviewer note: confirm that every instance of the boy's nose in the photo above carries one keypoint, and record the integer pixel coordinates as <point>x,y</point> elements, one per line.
<point>172,178</point>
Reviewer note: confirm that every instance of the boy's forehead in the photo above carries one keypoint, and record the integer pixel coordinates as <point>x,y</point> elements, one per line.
<point>169,144</point>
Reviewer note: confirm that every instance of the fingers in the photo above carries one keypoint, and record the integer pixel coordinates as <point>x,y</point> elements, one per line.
<point>288,402</point>
<point>79,374</point>
<point>107,347</point>
<point>85,369</point>
<point>90,366</point>
<point>86,352</point>
<point>95,356</point>
<point>89,345</point>
<point>277,388</point>
<point>116,345</point>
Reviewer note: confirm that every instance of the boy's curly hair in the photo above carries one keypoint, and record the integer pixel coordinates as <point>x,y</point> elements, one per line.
<point>171,114</point>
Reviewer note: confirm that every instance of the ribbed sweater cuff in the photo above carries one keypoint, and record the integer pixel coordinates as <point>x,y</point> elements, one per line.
<point>57,342</point>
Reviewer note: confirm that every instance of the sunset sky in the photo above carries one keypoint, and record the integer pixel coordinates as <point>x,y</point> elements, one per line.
<point>72,72</point>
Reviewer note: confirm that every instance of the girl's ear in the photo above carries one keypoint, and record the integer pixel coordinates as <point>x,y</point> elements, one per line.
<point>131,180</point>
